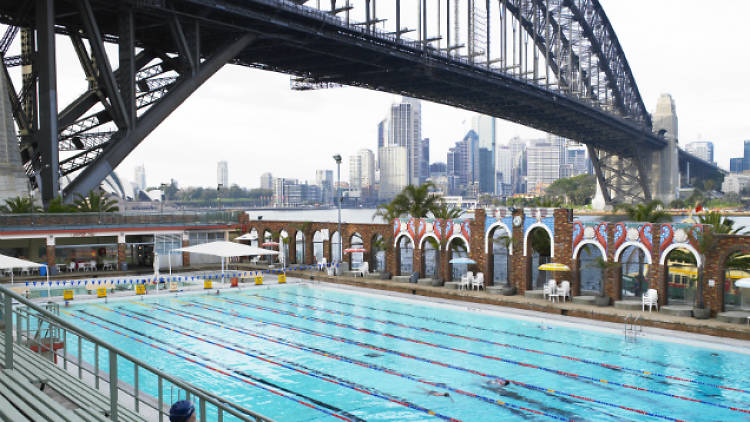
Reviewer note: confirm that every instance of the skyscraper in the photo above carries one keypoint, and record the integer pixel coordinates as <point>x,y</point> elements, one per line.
<point>222,174</point>
<point>368,168</point>
<point>484,126</point>
<point>463,163</point>
<point>736,164</point>
<point>393,176</point>
<point>518,164</point>
<point>355,171</point>
<point>701,149</point>
<point>382,132</point>
<point>324,179</point>
<point>140,177</point>
<point>405,130</point>
<point>266,181</point>
<point>543,159</point>
<point>746,159</point>
<point>425,159</point>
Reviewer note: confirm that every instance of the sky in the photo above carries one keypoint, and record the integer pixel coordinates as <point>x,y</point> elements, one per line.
<point>254,121</point>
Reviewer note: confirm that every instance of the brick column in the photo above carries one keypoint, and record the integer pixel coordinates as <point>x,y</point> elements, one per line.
<point>292,247</point>
<point>476,244</point>
<point>563,217</point>
<point>656,276</point>
<point>520,270</point>
<point>185,255</point>
<point>445,266</point>
<point>390,254</point>
<point>51,267</point>
<point>396,262</point>
<point>121,250</point>
<point>309,258</point>
<point>612,277</point>
<point>417,261</point>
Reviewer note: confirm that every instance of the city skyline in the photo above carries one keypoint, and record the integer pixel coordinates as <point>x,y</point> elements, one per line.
<point>306,128</point>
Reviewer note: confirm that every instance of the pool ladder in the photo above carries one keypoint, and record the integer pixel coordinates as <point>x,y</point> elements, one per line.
<point>633,326</point>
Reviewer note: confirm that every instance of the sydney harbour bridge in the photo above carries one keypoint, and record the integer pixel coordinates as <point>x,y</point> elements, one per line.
<point>553,65</point>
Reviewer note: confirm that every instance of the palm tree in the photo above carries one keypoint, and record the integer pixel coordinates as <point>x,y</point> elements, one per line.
<point>446,212</point>
<point>19,205</point>
<point>719,224</point>
<point>95,202</point>
<point>651,212</point>
<point>387,212</point>
<point>704,241</point>
<point>57,205</point>
<point>414,201</point>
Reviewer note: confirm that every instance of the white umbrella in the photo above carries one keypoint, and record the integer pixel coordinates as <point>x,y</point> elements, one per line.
<point>743,282</point>
<point>9,262</point>
<point>156,265</point>
<point>247,236</point>
<point>226,249</point>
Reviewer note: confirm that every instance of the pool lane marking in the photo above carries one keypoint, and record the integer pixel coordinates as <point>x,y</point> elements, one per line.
<point>494,330</point>
<point>480,355</point>
<point>203,319</point>
<point>218,364</point>
<point>334,356</point>
<point>349,385</point>
<point>481,340</point>
<point>209,367</point>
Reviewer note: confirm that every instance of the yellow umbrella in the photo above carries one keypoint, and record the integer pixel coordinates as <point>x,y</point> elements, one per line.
<point>553,266</point>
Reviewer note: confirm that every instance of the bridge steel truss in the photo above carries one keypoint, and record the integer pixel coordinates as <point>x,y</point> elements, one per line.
<point>573,79</point>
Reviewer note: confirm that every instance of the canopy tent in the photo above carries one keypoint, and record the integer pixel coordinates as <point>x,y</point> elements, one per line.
<point>247,236</point>
<point>9,262</point>
<point>224,249</point>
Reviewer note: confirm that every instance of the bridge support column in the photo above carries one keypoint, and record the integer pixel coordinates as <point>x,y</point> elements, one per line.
<point>46,137</point>
<point>664,172</point>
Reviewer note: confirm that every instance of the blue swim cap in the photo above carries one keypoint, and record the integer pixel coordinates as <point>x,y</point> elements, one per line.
<point>181,411</point>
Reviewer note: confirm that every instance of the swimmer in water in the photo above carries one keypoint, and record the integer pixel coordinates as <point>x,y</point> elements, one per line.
<point>437,393</point>
<point>498,382</point>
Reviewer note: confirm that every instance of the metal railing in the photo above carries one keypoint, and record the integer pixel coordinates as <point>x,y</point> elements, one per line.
<point>633,326</point>
<point>118,218</point>
<point>41,331</point>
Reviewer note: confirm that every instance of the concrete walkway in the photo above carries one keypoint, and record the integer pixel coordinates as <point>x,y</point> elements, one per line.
<point>711,326</point>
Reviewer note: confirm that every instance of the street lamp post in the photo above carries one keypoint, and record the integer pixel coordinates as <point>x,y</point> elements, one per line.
<point>218,193</point>
<point>337,157</point>
<point>163,196</point>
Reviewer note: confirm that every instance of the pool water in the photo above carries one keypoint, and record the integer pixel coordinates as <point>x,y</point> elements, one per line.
<point>311,353</point>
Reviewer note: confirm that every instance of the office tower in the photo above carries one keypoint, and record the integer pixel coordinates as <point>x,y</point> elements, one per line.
<point>280,195</point>
<point>463,163</point>
<point>484,126</point>
<point>746,159</point>
<point>736,165</point>
<point>140,177</point>
<point>405,130</point>
<point>222,174</point>
<point>382,132</point>
<point>355,171</point>
<point>367,159</point>
<point>266,181</point>
<point>518,164</point>
<point>701,149</point>
<point>504,163</point>
<point>438,168</point>
<point>543,159</point>
<point>425,160</point>
<point>393,176</point>
<point>576,160</point>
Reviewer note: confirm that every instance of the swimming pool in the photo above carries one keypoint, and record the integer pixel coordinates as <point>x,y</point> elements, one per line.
<point>311,353</point>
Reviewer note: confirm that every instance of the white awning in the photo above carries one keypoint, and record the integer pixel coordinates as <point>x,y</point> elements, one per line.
<point>226,249</point>
<point>10,262</point>
<point>247,236</point>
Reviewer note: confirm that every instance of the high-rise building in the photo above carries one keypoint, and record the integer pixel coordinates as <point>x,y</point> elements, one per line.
<point>504,162</point>
<point>736,165</point>
<point>425,161</point>
<point>382,132</point>
<point>266,181</point>
<point>140,177</point>
<point>701,149</point>
<point>576,159</point>
<point>324,179</point>
<point>355,171</point>
<point>405,130</point>
<point>543,160</point>
<point>463,164</point>
<point>393,175</point>
<point>367,159</point>
<point>518,167</point>
<point>746,160</point>
<point>484,126</point>
<point>222,174</point>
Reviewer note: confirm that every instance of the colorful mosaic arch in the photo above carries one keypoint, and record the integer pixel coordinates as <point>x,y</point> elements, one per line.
<point>418,228</point>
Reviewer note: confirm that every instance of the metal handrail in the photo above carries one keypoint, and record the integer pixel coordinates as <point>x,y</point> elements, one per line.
<point>222,405</point>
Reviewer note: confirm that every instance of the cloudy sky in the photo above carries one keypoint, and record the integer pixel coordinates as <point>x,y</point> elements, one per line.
<point>253,120</point>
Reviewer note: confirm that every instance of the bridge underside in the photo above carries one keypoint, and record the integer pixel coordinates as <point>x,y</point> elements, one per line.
<point>180,44</point>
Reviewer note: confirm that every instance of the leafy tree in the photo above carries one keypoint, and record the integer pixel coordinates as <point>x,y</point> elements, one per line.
<point>651,212</point>
<point>678,204</point>
<point>577,190</point>
<point>19,205</point>
<point>95,202</point>
<point>540,242</point>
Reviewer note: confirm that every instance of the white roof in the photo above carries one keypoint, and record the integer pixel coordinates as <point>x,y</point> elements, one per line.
<point>226,249</point>
<point>10,262</point>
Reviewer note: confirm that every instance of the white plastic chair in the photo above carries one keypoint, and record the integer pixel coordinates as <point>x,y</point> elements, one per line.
<point>563,291</point>
<point>26,271</point>
<point>547,288</point>
<point>92,265</point>
<point>551,289</point>
<point>650,298</point>
<point>465,282</point>
<point>322,264</point>
<point>71,266</point>
<point>478,281</point>
<point>363,269</point>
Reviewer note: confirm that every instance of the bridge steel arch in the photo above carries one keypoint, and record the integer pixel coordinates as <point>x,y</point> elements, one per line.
<point>587,93</point>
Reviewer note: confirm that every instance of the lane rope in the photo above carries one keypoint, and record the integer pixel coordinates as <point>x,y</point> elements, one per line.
<point>640,372</point>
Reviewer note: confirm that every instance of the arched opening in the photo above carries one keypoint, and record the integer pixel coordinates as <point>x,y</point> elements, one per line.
<point>736,266</point>
<point>377,254</point>
<point>540,243</point>
<point>634,269</point>
<point>356,258</point>
<point>284,248</point>
<point>318,240</point>
<point>299,248</point>
<point>254,237</point>
<point>431,258</point>
<point>406,256</point>
<point>501,245</point>
<point>589,274</point>
<point>336,247</point>
<point>457,249</point>
<point>682,276</point>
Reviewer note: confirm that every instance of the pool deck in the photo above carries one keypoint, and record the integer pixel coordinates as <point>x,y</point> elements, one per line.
<point>712,326</point>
